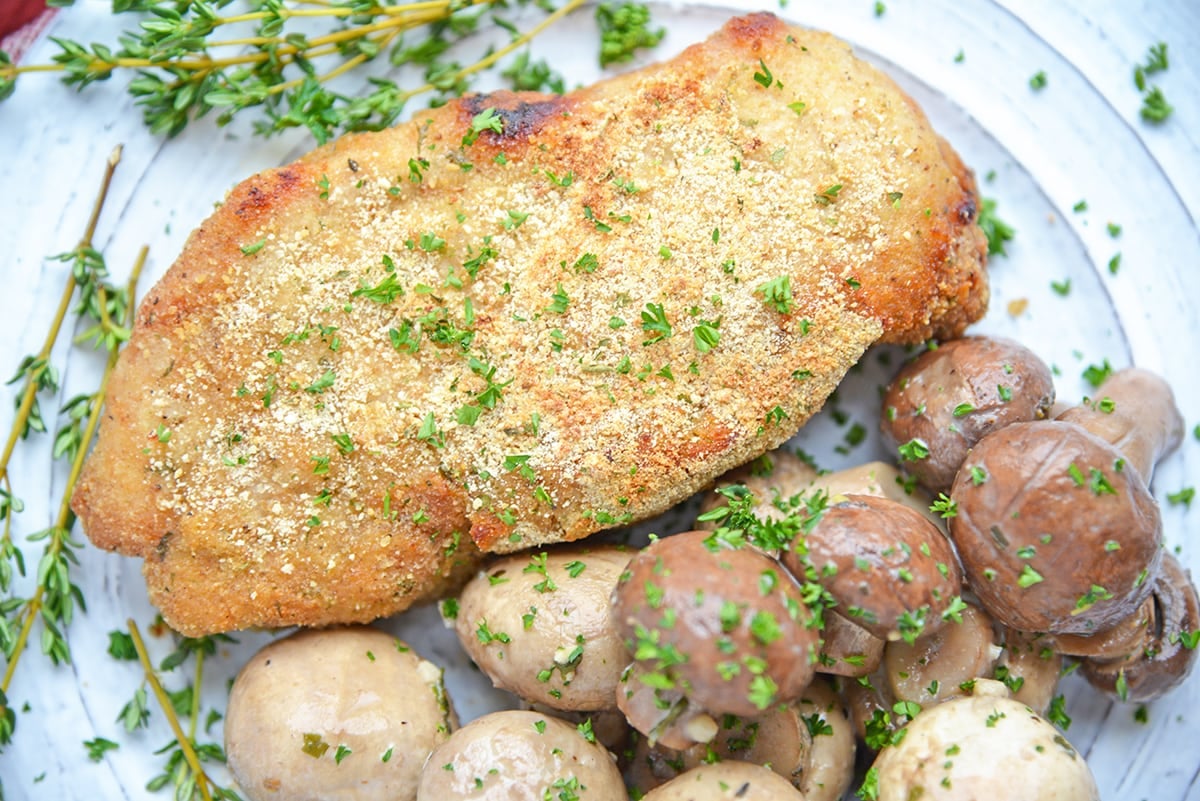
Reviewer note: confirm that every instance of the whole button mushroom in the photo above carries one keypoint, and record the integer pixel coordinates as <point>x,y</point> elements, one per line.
<point>338,713</point>
<point>1054,532</point>
<point>890,570</point>
<point>517,755</point>
<point>949,398</point>
<point>982,746</point>
<point>540,626</point>
<point>726,626</point>
<point>1165,655</point>
<point>735,781</point>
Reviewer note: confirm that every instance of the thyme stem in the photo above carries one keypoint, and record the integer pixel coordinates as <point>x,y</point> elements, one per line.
<point>64,304</point>
<point>185,743</point>
<point>64,520</point>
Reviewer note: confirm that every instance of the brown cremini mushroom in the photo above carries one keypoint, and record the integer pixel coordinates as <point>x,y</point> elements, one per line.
<point>1055,533</point>
<point>1166,654</point>
<point>889,569</point>
<point>950,397</point>
<point>726,626</point>
<point>933,668</point>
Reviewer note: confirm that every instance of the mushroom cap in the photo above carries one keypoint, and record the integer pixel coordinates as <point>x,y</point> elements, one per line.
<point>1162,660</point>
<point>736,781</point>
<point>517,755</point>
<point>313,715</point>
<point>1054,534</point>
<point>983,746</point>
<point>889,569</point>
<point>952,396</point>
<point>560,648</point>
<point>727,626</point>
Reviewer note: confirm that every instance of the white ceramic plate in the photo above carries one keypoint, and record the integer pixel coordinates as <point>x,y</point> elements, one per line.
<point>1079,138</point>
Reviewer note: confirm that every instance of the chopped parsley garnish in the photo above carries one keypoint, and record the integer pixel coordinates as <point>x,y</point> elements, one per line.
<point>764,78</point>
<point>914,450</point>
<point>1038,80</point>
<point>624,29</point>
<point>705,335</point>
<point>655,323</point>
<point>996,230</point>
<point>1183,497</point>
<point>777,293</point>
<point>486,120</point>
<point>1096,374</point>
<point>1155,107</point>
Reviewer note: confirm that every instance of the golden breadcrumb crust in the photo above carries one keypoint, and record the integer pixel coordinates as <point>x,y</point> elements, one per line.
<point>456,335</point>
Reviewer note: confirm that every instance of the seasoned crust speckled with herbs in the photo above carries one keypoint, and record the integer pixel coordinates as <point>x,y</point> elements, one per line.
<point>460,335</point>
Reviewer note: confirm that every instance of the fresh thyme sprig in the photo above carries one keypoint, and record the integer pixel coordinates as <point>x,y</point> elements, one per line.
<point>56,597</point>
<point>191,59</point>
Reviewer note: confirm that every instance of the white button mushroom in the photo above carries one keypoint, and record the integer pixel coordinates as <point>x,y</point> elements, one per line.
<point>517,755</point>
<point>339,713</point>
<point>539,624</point>
<point>982,746</point>
<point>733,780</point>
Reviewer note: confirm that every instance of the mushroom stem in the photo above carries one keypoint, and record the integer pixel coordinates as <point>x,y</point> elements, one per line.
<point>1134,411</point>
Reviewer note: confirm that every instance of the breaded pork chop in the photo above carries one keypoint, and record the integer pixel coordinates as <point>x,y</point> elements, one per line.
<point>519,319</point>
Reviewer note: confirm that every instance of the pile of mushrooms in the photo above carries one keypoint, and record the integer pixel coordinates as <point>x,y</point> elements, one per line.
<point>924,614</point>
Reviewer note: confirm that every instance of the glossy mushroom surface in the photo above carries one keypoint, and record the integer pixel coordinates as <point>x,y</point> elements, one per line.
<point>950,397</point>
<point>1054,534</point>
<point>982,746</point>
<point>725,625</point>
<point>889,569</point>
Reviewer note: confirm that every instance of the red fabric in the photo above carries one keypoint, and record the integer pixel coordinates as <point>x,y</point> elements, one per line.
<point>21,22</point>
<point>15,14</point>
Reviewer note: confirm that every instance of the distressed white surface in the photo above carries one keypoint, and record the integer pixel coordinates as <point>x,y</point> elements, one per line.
<point>1079,138</point>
